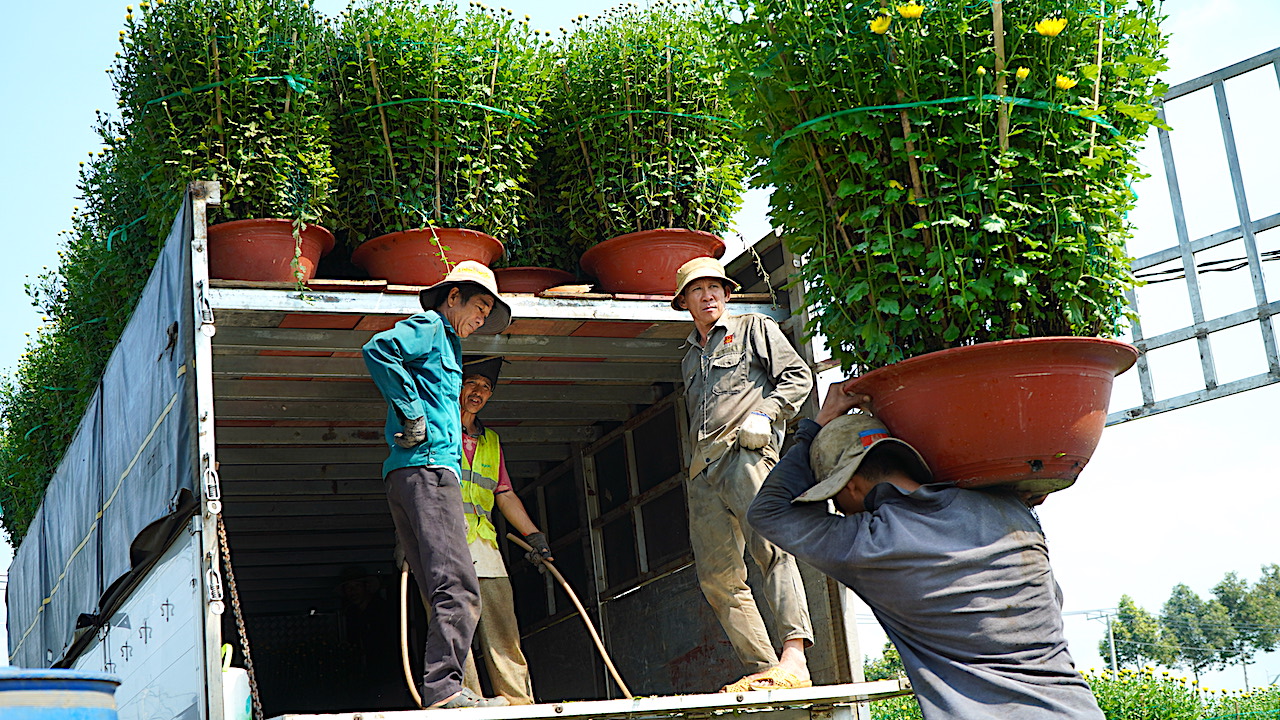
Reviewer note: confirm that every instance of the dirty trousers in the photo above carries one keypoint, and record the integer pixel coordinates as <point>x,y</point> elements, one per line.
<point>498,642</point>
<point>719,497</point>
<point>426,507</point>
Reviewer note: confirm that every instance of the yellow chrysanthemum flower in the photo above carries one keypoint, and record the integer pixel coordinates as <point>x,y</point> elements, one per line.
<point>981,70</point>
<point>880,25</point>
<point>1051,27</point>
<point>1022,73</point>
<point>1065,83</point>
<point>911,10</point>
<point>895,184</point>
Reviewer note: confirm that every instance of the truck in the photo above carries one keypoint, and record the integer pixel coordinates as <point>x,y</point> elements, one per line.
<point>224,487</point>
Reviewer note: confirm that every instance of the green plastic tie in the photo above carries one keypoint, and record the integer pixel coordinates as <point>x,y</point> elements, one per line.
<point>445,101</point>
<point>28,435</point>
<point>1007,99</point>
<point>296,82</point>
<point>123,230</point>
<point>570,126</point>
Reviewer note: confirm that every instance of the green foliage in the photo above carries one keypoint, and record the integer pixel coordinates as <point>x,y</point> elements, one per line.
<point>1253,612</point>
<point>436,117</point>
<point>1147,695</point>
<point>543,240</point>
<point>638,128</point>
<point>226,90</point>
<point>265,140</point>
<point>928,227</point>
<point>904,707</point>
<point>1139,638</point>
<point>887,667</point>
<point>1200,628</point>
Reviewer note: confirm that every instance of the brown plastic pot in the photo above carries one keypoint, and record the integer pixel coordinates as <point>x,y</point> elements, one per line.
<point>414,257</point>
<point>527,279</point>
<point>263,249</point>
<point>1028,412</point>
<point>645,262</point>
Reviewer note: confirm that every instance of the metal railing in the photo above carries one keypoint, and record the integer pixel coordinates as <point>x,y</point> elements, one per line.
<point>1185,251</point>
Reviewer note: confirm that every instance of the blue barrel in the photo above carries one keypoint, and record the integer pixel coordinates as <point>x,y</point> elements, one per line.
<point>44,694</point>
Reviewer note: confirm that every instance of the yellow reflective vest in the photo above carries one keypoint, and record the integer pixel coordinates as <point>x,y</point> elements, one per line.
<point>479,480</point>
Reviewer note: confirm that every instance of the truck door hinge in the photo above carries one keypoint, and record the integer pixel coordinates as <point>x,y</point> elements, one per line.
<point>214,582</point>
<point>212,488</point>
<point>207,328</point>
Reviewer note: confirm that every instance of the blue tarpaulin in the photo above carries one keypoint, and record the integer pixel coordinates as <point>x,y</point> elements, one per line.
<point>115,496</point>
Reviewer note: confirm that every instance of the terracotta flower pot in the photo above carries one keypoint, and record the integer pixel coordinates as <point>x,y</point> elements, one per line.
<point>263,249</point>
<point>1026,411</point>
<point>645,262</point>
<point>413,257</point>
<point>526,279</point>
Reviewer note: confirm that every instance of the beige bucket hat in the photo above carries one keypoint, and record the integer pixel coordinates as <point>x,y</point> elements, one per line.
<point>472,272</point>
<point>841,446</point>
<point>696,269</point>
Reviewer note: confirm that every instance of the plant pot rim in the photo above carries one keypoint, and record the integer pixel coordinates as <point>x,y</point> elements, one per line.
<point>317,231</point>
<point>393,237</point>
<point>590,257</point>
<point>1126,354</point>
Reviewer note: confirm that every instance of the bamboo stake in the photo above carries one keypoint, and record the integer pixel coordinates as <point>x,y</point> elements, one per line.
<point>288,89</point>
<point>582,612</point>
<point>1097,83</point>
<point>586,159</point>
<point>217,96</point>
<point>382,112</point>
<point>671,218</point>
<point>913,169</point>
<point>997,21</point>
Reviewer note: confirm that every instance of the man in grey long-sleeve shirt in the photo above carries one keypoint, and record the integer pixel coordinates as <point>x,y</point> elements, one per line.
<point>959,579</point>
<point>743,380</point>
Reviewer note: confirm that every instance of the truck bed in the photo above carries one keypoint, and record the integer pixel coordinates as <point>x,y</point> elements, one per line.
<point>834,702</point>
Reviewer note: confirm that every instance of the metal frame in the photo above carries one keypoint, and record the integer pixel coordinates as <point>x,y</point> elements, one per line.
<point>204,195</point>
<point>1202,327</point>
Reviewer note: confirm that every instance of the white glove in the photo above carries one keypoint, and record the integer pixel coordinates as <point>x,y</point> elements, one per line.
<point>756,431</point>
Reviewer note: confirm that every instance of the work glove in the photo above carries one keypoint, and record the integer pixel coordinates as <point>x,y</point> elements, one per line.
<point>541,550</point>
<point>756,431</point>
<point>415,431</point>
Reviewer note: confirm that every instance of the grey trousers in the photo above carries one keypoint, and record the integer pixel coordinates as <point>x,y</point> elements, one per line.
<point>719,497</point>
<point>426,507</point>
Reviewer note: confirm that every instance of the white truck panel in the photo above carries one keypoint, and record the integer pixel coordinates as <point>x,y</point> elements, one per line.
<point>154,643</point>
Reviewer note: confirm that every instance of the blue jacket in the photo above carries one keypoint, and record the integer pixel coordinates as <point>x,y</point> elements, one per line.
<point>417,366</point>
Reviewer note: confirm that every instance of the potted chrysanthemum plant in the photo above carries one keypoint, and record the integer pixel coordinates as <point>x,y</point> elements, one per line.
<point>957,174</point>
<point>437,114</point>
<point>227,90</point>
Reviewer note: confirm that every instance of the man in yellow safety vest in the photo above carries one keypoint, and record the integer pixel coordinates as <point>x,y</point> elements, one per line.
<point>485,485</point>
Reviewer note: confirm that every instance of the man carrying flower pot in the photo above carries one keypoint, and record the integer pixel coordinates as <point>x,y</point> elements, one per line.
<point>959,579</point>
<point>743,380</point>
<point>486,485</point>
<point>417,365</point>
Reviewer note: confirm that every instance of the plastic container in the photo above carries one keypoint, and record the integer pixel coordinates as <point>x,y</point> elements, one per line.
<point>47,694</point>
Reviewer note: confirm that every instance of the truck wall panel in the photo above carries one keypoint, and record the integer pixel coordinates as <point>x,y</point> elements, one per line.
<point>153,643</point>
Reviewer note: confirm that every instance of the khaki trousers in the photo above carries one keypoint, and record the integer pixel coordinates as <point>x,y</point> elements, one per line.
<point>719,497</point>
<point>498,640</point>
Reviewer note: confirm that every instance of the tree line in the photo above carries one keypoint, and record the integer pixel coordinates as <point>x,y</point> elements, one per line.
<point>1234,624</point>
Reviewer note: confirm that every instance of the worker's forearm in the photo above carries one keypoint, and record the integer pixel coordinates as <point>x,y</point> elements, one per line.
<point>513,510</point>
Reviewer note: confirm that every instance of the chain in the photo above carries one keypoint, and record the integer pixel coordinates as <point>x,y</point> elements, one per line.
<point>239,614</point>
<point>759,263</point>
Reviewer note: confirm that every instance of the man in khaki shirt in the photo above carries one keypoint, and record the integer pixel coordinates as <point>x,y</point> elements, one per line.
<point>743,380</point>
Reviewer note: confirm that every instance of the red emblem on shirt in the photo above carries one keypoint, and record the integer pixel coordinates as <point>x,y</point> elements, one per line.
<point>728,339</point>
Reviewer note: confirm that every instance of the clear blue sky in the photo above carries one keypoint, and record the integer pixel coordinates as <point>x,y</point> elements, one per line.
<point>1182,497</point>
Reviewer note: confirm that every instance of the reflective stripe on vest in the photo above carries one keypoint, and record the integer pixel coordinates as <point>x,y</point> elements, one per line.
<point>479,480</point>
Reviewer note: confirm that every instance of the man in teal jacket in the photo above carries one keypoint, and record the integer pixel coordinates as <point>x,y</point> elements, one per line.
<point>417,365</point>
